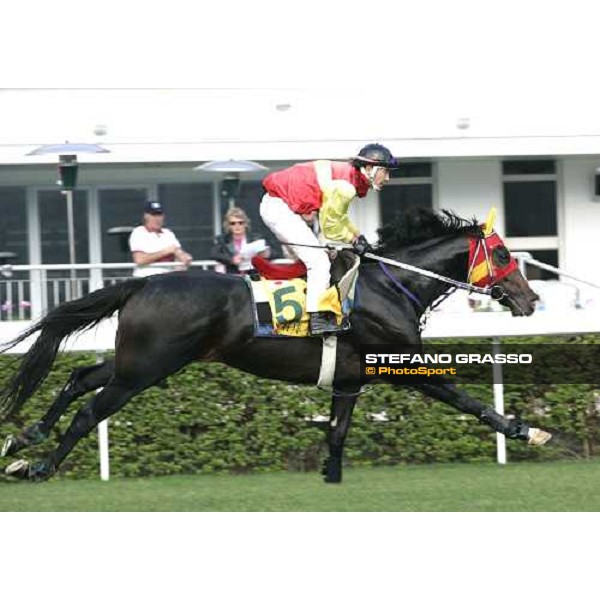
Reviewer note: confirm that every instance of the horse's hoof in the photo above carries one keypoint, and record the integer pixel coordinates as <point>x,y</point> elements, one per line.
<point>537,437</point>
<point>41,471</point>
<point>11,446</point>
<point>18,469</point>
<point>23,469</point>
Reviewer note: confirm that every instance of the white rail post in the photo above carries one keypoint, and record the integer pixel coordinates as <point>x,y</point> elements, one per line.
<point>498,402</point>
<point>103,440</point>
<point>103,448</point>
<point>37,293</point>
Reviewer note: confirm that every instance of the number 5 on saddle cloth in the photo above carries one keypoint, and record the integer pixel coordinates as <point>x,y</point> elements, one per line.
<point>280,304</point>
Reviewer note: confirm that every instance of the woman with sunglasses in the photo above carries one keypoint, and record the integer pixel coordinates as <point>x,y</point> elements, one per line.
<point>229,247</point>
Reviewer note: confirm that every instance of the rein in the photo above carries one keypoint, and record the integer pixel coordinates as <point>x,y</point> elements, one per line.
<point>495,291</point>
<point>426,310</point>
<point>401,286</point>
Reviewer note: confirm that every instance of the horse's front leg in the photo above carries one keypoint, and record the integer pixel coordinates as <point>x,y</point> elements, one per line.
<point>340,417</point>
<point>512,428</point>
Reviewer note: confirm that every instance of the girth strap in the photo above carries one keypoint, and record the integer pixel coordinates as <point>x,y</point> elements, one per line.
<point>328,358</point>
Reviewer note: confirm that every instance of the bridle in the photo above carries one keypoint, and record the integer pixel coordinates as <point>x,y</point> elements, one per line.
<point>482,277</point>
<point>493,289</point>
<point>489,263</point>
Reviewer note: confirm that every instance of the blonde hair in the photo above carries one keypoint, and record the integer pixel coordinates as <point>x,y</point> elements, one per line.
<point>235,212</point>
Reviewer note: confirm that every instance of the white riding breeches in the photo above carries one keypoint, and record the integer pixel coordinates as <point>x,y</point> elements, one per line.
<point>290,228</point>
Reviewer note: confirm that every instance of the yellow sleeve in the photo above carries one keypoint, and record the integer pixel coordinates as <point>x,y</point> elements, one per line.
<point>333,214</point>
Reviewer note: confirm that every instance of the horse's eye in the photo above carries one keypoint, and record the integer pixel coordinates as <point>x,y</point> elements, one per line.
<point>500,256</point>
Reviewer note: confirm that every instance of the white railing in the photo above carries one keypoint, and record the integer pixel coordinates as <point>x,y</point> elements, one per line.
<point>28,291</point>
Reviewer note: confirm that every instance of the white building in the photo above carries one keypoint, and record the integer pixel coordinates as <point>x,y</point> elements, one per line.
<point>539,170</point>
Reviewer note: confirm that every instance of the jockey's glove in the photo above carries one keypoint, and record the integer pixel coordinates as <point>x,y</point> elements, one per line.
<point>361,245</point>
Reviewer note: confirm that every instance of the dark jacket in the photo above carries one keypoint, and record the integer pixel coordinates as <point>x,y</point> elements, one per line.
<point>223,250</point>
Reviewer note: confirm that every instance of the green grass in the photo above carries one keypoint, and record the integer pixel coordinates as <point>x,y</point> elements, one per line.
<point>556,486</point>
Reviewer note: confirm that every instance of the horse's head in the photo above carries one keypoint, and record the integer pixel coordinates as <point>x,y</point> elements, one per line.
<point>491,264</point>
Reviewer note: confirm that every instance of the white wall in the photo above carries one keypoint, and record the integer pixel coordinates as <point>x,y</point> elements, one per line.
<point>580,234</point>
<point>470,188</point>
<point>110,175</point>
<point>209,124</point>
<point>364,212</point>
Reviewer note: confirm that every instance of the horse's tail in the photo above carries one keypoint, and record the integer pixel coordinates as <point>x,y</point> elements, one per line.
<point>58,324</point>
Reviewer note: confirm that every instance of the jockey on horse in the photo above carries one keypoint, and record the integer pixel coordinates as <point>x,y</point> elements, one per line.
<point>292,197</point>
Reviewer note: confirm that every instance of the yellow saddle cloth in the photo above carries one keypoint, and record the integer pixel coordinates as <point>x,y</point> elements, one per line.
<point>287,301</point>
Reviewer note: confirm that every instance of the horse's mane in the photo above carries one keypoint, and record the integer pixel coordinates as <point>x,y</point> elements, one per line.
<point>419,225</point>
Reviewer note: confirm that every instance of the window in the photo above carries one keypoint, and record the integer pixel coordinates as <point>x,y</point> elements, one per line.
<point>55,235</point>
<point>251,193</point>
<point>249,201</point>
<point>530,211</point>
<point>189,213</point>
<point>529,167</point>
<point>410,186</point>
<point>119,207</point>
<point>549,257</point>
<point>52,207</point>
<point>530,208</point>
<point>13,225</point>
<point>14,290</point>
<point>411,170</point>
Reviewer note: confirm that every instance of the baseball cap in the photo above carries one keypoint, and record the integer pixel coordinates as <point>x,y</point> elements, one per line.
<point>154,207</point>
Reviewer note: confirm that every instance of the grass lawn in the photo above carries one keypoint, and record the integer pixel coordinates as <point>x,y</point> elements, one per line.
<point>556,486</point>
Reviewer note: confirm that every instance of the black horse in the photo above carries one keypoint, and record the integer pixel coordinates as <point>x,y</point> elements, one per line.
<point>168,321</point>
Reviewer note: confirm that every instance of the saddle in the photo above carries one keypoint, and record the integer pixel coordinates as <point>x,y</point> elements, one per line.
<point>279,294</point>
<point>343,262</point>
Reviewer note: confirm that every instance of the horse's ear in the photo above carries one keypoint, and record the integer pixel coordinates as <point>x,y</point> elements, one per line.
<point>489,222</point>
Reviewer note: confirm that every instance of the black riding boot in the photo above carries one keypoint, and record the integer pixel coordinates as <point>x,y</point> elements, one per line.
<point>323,322</point>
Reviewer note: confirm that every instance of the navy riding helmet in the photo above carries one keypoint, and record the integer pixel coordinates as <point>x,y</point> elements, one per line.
<point>375,154</point>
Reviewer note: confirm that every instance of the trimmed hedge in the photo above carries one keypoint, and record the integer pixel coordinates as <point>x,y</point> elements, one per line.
<point>214,418</point>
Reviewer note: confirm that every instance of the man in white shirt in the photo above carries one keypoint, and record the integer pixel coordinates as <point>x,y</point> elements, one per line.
<point>151,244</point>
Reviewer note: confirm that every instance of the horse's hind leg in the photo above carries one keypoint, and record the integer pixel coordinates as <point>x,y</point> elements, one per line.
<point>108,401</point>
<point>141,361</point>
<point>511,428</point>
<point>82,381</point>
<point>342,406</point>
